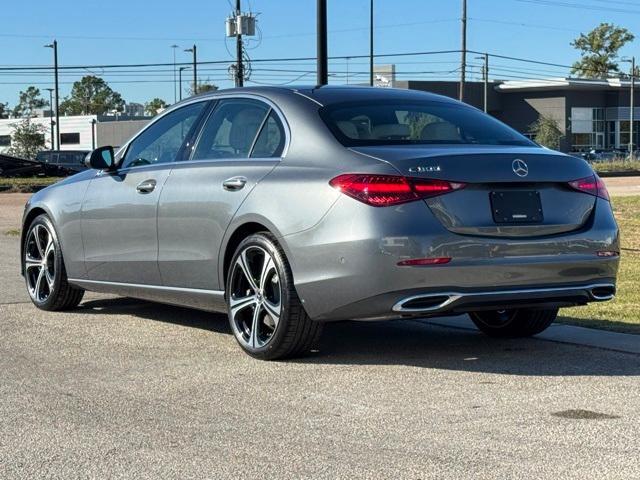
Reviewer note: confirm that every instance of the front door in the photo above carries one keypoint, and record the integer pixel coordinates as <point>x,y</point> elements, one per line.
<point>119,213</point>
<point>240,143</point>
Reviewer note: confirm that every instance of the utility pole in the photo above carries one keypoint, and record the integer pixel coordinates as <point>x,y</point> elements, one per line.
<point>323,67</point>
<point>463,59</point>
<point>54,45</point>
<point>50,90</point>
<point>371,44</point>
<point>194,50</point>
<point>175,92</point>
<point>239,66</point>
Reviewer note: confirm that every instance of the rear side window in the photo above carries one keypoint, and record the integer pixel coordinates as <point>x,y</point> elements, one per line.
<point>421,122</point>
<point>231,129</point>
<point>270,141</point>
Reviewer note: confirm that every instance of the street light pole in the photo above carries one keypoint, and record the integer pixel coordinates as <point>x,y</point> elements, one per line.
<point>633,87</point>
<point>175,93</point>
<point>195,68</point>
<point>485,79</point>
<point>50,90</point>
<point>54,45</point>
<point>180,79</point>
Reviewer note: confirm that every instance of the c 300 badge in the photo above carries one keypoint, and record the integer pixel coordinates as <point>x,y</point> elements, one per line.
<point>425,169</point>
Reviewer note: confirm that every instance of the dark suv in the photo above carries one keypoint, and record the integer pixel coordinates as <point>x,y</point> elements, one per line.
<point>62,162</point>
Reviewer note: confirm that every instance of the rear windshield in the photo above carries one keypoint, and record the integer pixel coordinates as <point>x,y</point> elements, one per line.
<point>410,123</point>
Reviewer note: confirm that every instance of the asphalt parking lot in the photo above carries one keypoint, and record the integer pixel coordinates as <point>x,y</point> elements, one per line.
<point>129,389</point>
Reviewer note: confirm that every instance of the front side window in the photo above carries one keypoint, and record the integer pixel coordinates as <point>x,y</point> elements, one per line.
<point>161,142</point>
<point>231,129</point>
<point>419,122</point>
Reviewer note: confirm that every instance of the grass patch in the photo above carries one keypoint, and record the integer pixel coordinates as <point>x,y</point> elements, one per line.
<point>25,184</point>
<point>13,232</point>
<point>20,181</point>
<point>617,166</point>
<point>622,313</point>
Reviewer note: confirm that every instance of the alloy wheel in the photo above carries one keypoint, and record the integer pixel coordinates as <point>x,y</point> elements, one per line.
<point>40,263</point>
<point>255,297</point>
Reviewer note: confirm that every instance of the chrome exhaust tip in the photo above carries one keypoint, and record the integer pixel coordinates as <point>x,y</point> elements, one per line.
<point>424,303</point>
<point>601,293</point>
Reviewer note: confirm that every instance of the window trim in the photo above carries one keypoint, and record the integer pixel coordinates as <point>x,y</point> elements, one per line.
<point>214,99</point>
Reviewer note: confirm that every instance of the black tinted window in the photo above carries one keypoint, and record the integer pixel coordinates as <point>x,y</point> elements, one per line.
<point>69,138</point>
<point>230,130</point>
<point>398,123</point>
<point>161,142</point>
<point>270,142</point>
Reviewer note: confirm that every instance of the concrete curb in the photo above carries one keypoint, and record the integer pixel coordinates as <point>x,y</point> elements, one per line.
<point>560,333</point>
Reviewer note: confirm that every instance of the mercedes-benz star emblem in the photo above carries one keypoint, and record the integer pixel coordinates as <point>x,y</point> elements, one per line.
<point>520,168</point>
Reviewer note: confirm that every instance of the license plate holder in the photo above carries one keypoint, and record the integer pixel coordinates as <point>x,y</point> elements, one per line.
<point>516,206</point>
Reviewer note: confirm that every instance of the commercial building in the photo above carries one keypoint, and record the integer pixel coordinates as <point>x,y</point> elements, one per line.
<point>591,114</point>
<point>79,132</point>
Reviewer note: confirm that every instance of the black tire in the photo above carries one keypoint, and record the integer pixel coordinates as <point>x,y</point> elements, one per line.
<point>295,333</point>
<point>514,323</point>
<point>59,295</point>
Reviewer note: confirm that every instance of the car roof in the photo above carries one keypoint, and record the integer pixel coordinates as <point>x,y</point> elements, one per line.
<point>329,94</point>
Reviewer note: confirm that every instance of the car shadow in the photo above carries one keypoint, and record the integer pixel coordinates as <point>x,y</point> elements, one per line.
<point>414,343</point>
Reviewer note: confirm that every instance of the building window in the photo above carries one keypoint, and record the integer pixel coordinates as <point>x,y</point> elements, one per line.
<point>69,138</point>
<point>5,140</point>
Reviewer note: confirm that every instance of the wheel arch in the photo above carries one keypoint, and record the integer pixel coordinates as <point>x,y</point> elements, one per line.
<point>237,232</point>
<point>28,218</point>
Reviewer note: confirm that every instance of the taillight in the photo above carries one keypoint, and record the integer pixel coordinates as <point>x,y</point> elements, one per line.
<point>386,190</point>
<point>592,185</point>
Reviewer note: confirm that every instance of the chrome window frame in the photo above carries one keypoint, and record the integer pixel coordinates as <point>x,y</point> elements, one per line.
<point>122,151</point>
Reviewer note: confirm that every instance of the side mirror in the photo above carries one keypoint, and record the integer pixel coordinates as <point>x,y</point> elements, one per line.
<point>101,158</point>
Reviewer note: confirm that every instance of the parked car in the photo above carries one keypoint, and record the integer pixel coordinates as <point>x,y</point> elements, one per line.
<point>290,207</point>
<point>62,162</point>
<point>18,167</point>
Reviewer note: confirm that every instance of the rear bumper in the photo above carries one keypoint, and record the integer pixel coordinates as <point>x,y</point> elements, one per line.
<point>346,266</point>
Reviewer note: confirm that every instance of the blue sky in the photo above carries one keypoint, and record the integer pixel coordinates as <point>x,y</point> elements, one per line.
<point>134,31</point>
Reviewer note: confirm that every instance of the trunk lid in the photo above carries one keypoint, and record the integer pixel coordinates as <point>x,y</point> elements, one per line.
<point>498,201</point>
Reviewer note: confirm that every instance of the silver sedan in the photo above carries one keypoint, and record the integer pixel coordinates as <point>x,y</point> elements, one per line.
<point>290,207</point>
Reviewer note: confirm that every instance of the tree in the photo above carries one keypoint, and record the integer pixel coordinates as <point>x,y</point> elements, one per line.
<point>27,139</point>
<point>546,132</point>
<point>599,49</point>
<point>4,110</point>
<point>28,101</point>
<point>202,87</point>
<point>155,106</point>
<point>91,96</point>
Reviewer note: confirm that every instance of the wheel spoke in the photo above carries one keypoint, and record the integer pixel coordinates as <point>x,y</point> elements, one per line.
<point>255,324</point>
<point>273,310</point>
<point>267,265</point>
<point>38,240</point>
<point>244,265</point>
<point>31,262</point>
<point>38,287</point>
<point>239,304</point>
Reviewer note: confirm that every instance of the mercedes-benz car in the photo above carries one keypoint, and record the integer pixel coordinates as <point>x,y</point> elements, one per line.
<point>291,207</point>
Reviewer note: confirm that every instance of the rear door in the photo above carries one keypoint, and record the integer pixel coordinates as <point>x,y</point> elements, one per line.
<point>119,218</point>
<point>240,143</point>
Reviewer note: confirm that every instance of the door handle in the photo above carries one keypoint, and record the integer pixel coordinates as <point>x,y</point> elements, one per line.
<point>234,183</point>
<point>146,186</point>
